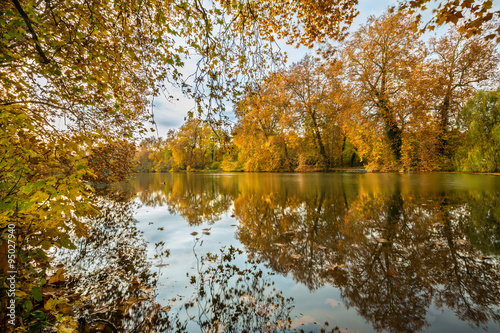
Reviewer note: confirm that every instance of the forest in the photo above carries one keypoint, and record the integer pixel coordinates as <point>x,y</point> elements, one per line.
<point>385,99</point>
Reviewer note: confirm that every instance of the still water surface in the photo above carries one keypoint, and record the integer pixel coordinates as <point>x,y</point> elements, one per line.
<point>314,252</point>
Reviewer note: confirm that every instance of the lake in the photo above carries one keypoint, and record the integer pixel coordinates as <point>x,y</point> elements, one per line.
<point>314,252</point>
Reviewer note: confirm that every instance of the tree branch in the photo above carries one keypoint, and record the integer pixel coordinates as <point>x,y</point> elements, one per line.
<point>34,102</point>
<point>30,28</point>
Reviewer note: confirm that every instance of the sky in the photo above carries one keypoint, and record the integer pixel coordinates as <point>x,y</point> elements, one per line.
<point>171,114</point>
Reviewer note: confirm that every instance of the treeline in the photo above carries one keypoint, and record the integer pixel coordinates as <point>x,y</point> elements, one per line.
<point>196,145</point>
<point>384,98</point>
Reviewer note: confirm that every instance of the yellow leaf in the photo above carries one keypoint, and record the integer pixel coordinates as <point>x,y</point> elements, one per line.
<point>58,277</point>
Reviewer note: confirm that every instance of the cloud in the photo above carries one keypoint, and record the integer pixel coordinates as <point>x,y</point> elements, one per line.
<point>170,114</point>
<point>302,321</point>
<point>333,303</point>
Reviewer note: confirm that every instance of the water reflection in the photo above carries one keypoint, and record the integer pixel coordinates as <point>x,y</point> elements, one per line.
<point>110,273</point>
<point>236,298</point>
<point>197,199</point>
<point>392,244</point>
<point>113,286</point>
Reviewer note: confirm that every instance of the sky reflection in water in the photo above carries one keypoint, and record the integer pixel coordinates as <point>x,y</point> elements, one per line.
<point>343,252</point>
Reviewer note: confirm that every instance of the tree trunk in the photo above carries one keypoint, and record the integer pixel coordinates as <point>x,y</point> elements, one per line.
<point>443,126</point>
<point>393,132</point>
<point>342,152</point>
<point>319,142</point>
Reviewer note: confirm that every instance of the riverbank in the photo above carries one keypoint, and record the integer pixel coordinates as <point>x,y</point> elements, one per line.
<point>336,170</point>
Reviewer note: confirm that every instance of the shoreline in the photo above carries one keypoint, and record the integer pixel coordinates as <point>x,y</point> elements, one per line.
<point>334,170</point>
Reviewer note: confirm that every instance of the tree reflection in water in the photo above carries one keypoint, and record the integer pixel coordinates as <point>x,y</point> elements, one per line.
<point>114,286</point>
<point>197,200</point>
<point>111,274</point>
<point>399,254</point>
<point>231,297</point>
<point>392,252</point>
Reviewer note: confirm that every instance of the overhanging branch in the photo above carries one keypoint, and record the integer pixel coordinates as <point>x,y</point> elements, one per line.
<point>30,28</point>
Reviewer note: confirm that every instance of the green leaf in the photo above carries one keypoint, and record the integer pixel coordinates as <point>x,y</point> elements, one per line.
<point>27,306</point>
<point>37,295</point>
<point>66,243</point>
<point>38,315</point>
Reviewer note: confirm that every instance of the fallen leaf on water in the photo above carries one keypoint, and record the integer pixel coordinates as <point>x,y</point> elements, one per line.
<point>280,245</point>
<point>160,228</point>
<point>321,247</point>
<point>332,267</point>
<point>206,229</point>
<point>161,265</point>
<point>166,308</point>
<point>247,298</point>
<point>483,258</point>
<point>194,233</point>
<point>382,240</point>
<point>440,244</point>
<point>151,222</point>
<point>232,215</point>
<point>392,272</point>
<point>295,256</point>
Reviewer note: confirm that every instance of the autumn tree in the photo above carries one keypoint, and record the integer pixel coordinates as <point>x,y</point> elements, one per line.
<point>458,66</point>
<point>195,145</point>
<point>383,58</point>
<point>153,154</point>
<point>293,119</point>
<point>76,77</point>
<point>112,162</point>
<point>480,121</point>
<point>310,90</point>
<point>265,132</point>
<point>471,16</point>
<point>237,41</point>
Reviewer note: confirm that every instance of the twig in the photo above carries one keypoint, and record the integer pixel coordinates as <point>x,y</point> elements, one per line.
<point>30,28</point>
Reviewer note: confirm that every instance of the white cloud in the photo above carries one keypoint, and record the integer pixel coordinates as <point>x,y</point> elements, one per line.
<point>333,303</point>
<point>302,321</point>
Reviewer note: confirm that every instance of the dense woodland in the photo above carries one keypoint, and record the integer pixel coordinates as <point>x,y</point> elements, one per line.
<point>385,99</point>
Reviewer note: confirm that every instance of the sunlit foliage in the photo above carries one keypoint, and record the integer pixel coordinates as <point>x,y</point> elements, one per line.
<point>480,120</point>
